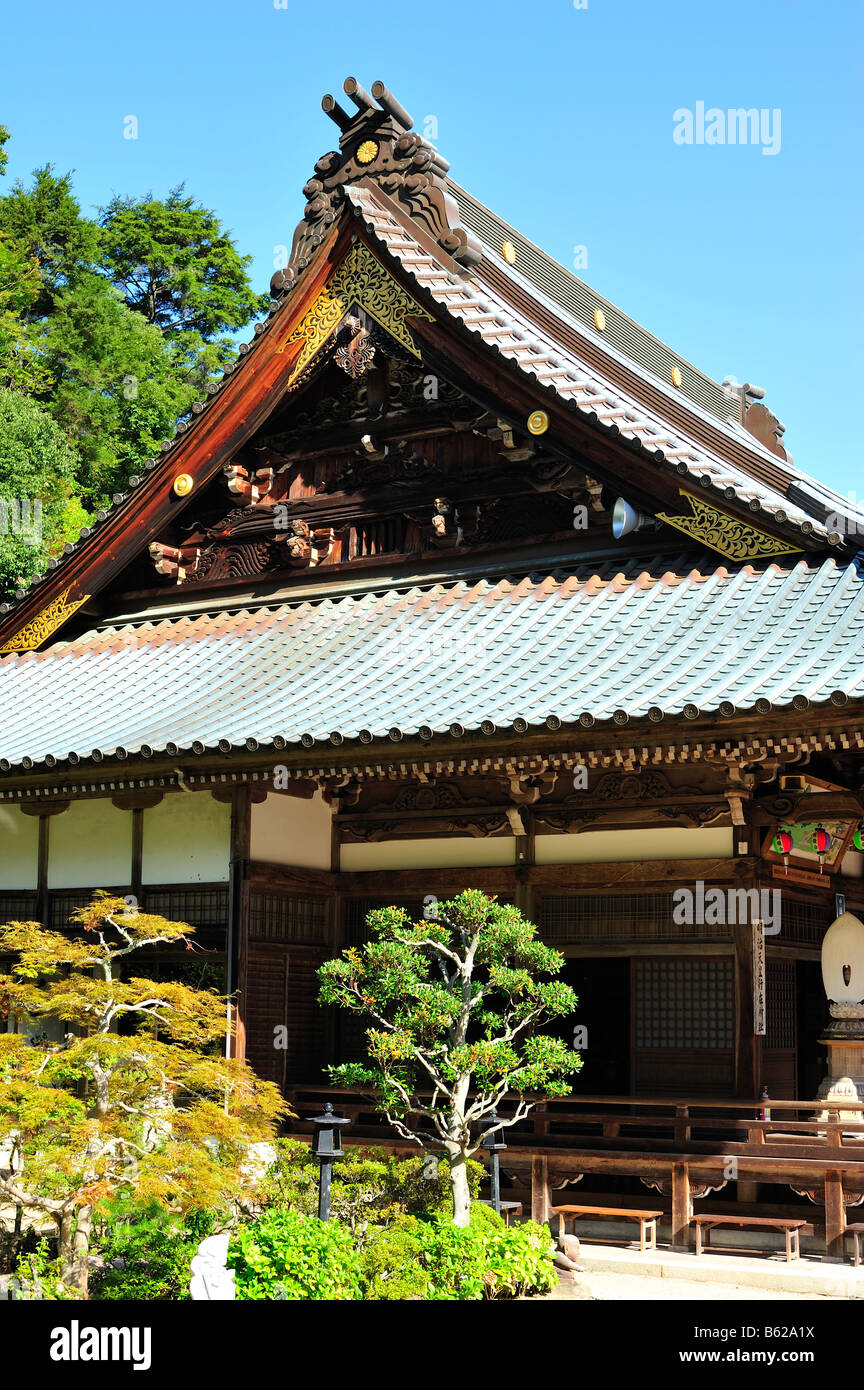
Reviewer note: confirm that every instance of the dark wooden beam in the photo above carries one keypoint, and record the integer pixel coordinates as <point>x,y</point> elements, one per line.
<point>237,945</point>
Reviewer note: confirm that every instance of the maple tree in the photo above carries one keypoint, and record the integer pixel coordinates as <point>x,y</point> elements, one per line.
<point>135,1096</point>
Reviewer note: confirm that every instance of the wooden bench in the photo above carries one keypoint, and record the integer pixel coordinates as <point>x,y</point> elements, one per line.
<point>647,1220</point>
<point>508,1209</point>
<point>856,1231</point>
<point>790,1228</point>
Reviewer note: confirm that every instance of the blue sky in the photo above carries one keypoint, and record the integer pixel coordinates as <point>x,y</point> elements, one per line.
<point>559,118</point>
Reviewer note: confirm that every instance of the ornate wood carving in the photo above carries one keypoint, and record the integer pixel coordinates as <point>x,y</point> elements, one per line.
<point>52,616</point>
<point>729,535</point>
<point>378,146</point>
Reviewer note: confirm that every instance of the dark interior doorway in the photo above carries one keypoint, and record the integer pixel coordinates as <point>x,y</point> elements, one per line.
<point>602,985</point>
<point>812,1018</point>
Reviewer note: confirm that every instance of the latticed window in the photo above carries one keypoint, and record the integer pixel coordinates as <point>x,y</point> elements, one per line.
<point>62,905</point>
<point>683,1003</point>
<point>17,907</point>
<point>355,911</point>
<point>299,917</point>
<point>780,1004</point>
<point>617,916</point>
<point>805,922</point>
<point>200,907</point>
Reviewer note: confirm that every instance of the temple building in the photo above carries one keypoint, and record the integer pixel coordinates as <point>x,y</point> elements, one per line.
<point>459,578</point>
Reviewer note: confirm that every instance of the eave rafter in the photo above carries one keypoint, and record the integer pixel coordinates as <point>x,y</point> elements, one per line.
<point>527,760</point>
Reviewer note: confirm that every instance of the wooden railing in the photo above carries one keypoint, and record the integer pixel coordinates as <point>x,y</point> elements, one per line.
<point>684,1146</point>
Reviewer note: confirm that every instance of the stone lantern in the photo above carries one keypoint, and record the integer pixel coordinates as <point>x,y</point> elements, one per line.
<point>843,978</point>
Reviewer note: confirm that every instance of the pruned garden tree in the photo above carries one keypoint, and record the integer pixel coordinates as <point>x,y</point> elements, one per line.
<point>455,1004</point>
<point>134,1097</point>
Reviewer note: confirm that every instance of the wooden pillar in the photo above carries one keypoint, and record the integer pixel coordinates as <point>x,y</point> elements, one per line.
<point>42,908</point>
<point>540,1189</point>
<point>237,943</point>
<point>136,881</point>
<point>681,1206</point>
<point>835,1214</point>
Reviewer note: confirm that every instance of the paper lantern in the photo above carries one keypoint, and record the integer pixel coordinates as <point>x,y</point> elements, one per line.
<point>820,843</point>
<point>782,844</point>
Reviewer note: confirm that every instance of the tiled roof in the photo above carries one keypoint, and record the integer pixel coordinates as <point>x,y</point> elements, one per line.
<point>482,309</point>
<point>591,647</point>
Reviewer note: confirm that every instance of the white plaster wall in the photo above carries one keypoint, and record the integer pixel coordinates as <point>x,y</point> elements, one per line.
<point>19,849</point>
<point>615,846</point>
<point>429,854</point>
<point>90,846</point>
<point>187,839</point>
<point>290,830</point>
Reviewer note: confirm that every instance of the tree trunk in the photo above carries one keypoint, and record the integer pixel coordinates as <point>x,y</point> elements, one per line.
<point>75,1248</point>
<point>459,1188</point>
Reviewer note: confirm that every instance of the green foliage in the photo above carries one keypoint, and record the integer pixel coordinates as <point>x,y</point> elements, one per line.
<point>359,1191</point>
<point>114,327</point>
<point>115,383</point>
<point>147,1254</point>
<point>45,222</point>
<point>420,1184</point>
<point>394,1261</point>
<point>486,1261</point>
<point>174,264</point>
<point>287,1255</point>
<point>39,1273</point>
<point>36,462</point>
<point>454,1007</point>
<point>369,1185</point>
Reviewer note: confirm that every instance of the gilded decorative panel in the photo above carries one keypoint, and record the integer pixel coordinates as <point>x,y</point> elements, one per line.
<point>47,622</point>
<point>361,280</point>
<point>732,537</point>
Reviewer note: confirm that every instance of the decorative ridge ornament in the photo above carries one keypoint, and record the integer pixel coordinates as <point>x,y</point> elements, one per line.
<point>728,535</point>
<point>378,144</point>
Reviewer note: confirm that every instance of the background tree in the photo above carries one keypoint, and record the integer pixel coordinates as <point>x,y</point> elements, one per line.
<point>115,326</point>
<point>136,1098</point>
<point>174,264</point>
<point>36,464</point>
<point>454,1005</point>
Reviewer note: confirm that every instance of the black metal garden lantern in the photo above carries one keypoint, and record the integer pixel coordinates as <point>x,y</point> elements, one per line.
<point>326,1148</point>
<point>494,1143</point>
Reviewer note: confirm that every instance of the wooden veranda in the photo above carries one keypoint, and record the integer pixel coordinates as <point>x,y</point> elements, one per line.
<point>683,1148</point>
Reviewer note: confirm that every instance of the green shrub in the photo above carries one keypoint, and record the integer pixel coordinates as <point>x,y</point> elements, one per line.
<point>147,1254</point>
<point>369,1185</point>
<point>286,1255</point>
<point>393,1265</point>
<point>420,1184</point>
<point>487,1261</point>
<point>485,1218</point>
<point>38,1270</point>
